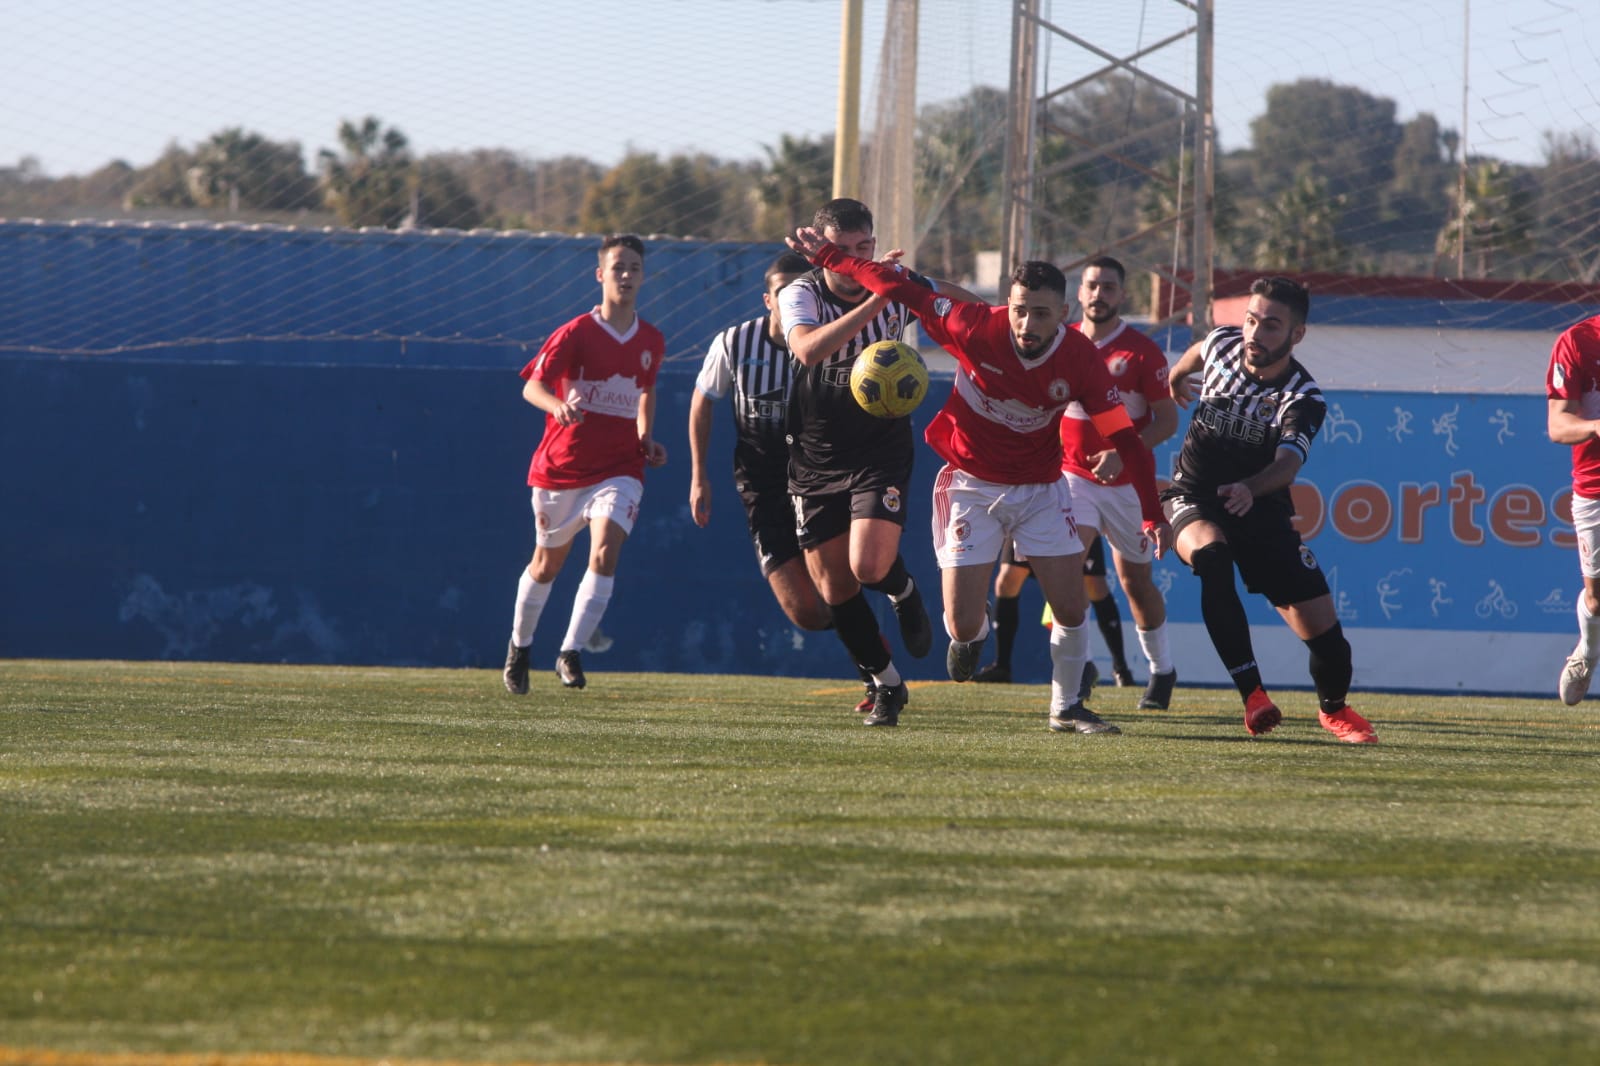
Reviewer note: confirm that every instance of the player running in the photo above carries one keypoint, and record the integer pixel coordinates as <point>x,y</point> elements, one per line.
<point>999,436</point>
<point>1572,387</point>
<point>1254,419</point>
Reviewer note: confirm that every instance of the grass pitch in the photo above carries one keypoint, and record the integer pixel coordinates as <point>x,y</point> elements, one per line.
<point>690,869</point>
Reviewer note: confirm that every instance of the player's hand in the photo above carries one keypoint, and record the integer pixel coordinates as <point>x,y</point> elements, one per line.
<point>1237,499</point>
<point>1182,386</point>
<point>1160,536</point>
<point>1106,465</point>
<point>700,503</point>
<point>807,241</point>
<point>655,453</point>
<point>568,414</point>
<point>892,257</point>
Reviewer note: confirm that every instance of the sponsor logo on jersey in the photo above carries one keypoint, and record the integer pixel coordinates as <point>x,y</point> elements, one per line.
<point>1558,376</point>
<point>1307,560</point>
<point>1058,391</point>
<point>891,501</point>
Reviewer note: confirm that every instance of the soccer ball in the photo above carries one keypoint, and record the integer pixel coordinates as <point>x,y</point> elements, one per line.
<point>889,379</point>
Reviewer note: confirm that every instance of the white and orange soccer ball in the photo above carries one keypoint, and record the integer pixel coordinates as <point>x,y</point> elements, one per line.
<point>889,379</point>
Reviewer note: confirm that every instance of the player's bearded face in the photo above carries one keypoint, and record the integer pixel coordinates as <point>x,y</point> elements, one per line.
<point>1035,315</point>
<point>1270,333</point>
<point>1100,293</point>
<point>859,243</point>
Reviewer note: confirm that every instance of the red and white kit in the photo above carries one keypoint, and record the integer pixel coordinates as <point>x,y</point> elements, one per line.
<point>605,372</point>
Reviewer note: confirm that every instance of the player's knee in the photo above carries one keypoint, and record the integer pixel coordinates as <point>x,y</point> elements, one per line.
<point>1214,561</point>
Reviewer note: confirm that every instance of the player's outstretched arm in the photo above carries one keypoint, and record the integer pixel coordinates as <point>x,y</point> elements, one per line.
<point>1178,376</point>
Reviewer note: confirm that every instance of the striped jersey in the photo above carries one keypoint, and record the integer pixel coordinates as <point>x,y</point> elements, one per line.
<point>835,446</point>
<point>1240,422</point>
<point>744,361</point>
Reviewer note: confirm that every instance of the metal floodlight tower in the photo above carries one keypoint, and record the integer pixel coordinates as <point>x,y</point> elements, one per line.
<point>1028,126</point>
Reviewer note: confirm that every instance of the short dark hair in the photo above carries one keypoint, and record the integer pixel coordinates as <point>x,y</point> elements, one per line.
<point>787,263</point>
<point>844,215</point>
<point>621,240</point>
<point>1037,274</point>
<point>1106,262</point>
<point>1286,291</point>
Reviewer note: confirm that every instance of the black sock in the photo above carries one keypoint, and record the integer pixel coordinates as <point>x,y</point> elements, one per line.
<point>896,582</point>
<point>858,630</point>
<point>1109,619</point>
<point>1331,668</point>
<point>1007,610</point>
<point>1224,615</point>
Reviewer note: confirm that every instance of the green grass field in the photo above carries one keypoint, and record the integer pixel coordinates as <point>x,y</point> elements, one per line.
<point>688,869</point>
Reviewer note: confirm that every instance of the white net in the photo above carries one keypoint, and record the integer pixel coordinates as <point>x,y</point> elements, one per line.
<point>1342,131</point>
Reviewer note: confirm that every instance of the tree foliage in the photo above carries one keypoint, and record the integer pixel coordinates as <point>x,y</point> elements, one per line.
<point>368,182</point>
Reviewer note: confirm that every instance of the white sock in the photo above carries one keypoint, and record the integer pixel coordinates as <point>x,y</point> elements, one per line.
<point>911,586</point>
<point>1069,651</point>
<point>1588,631</point>
<point>531,598</point>
<point>888,677</point>
<point>594,592</point>
<point>1156,649</point>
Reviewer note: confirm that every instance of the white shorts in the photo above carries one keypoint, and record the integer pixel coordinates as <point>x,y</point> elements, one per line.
<point>1114,511</point>
<point>558,514</point>
<point>1586,522</point>
<point>973,519</point>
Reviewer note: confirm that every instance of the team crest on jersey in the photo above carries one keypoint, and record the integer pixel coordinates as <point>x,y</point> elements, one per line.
<point>960,529</point>
<point>1266,407</point>
<point>646,357</point>
<point>891,326</point>
<point>1118,365</point>
<point>1307,560</point>
<point>942,306</point>
<point>1058,391</point>
<point>891,501</point>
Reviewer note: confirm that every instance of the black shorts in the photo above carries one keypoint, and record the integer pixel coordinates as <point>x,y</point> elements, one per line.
<point>1272,559</point>
<point>821,518</point>
<point>770,517</point>
<point>1094,558</point>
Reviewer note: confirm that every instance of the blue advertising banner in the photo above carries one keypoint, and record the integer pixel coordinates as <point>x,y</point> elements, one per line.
<point>1439,519</point>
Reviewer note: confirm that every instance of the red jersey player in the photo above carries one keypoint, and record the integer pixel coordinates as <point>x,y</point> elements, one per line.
<point>1572,385</point>
<point>595,380</point>
<point>1020,366</point>
<point>1103,497</point>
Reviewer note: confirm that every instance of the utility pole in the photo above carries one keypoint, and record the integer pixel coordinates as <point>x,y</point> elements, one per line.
<point>847,141</point>
<point>1204,172</point>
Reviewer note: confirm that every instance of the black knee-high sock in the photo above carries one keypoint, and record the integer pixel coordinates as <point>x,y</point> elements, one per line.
<point>1224,615</point>
<point>858,630</point>
<point>1109,619</point>
<point>895,582</point>
<point>1331,668</point>
<point>1007,612</point>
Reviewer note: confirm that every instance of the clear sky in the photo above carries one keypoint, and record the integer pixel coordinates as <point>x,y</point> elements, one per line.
<point>92,80</point>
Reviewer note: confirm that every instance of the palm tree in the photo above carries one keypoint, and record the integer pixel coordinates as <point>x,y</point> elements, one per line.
<point>1493,212</point>
<point>370,184</point>
<point>1299,229</point>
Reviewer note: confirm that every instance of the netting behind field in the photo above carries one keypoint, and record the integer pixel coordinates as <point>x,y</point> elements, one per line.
<point>1430,139</point>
